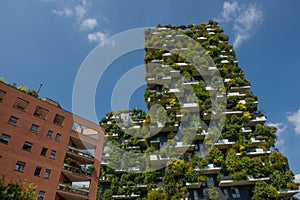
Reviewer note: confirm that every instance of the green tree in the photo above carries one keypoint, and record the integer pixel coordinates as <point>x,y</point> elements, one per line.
<point>170,185</point>
<point>16,191</point>
<point>263,191</point>
<point>155,194</point>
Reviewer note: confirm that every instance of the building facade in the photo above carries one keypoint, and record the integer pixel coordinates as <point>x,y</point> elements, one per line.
<point>42,144</point>
<point>203,137</point>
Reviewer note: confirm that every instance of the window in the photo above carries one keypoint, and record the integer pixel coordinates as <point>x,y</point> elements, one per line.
<point>4,138</point>
<point>58,120</point>
<point>2,94</point>
<point>235,192</point>
<point>41,195</point>
<point>226,194</point>
<point>34,128</point>
<point>27,146</point>
<point>40,112</point>
<point>44,151</point>
<point>21,104</point>
<point>49,134</point>
<point>52,154</point>
<point>57,137</point>
<point>37,171</point>
<point>47,173</point>
<point>210,181</point>
<point>20,166</point>
<point>13,120</point>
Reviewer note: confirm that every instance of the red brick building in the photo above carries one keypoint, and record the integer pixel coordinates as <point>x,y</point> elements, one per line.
<point>43,144</point>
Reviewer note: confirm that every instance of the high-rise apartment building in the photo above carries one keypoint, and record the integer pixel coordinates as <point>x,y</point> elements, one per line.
<point>42,144</point>
<point>203,138</point>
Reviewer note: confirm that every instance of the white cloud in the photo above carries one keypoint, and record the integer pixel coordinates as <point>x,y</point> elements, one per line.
<point>297,178</point>
<point>244,20</point>
<point>65,12</point>
<point>230,10</point>
<point>281,127</point>
<point>88,24</point>
<point>294,118</point>
<point>97,36</point>
<point>80,11</point>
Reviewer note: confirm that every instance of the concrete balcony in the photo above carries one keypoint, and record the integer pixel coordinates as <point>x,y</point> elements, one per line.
<point>256,142</point>
<point>194,185</point>
<point>240,89</point>
<point>80,153</point>
<point>238,94</point>
<point>112,136</point>
<point>177,92</point>
<point>181,117</point>
<point>209,169</point>
<point>105,179</point>
<point>224,144</point>
<point>255,152</point>
<point>287,193</point>
<point>201,136</point>
<point>245,130</point>
<point>131,196</point>
<point>226,182</point>
<point>185,147</point>
<point>201,38</point>
<point>225,62</point>
<point>257,120</point>
<point>78,171</point>
<point>192,107</point>
<point>159,158</point>
<point>167,54</point>
<point>72,192</point>
<point>229,113</point>
<point>175,73</point>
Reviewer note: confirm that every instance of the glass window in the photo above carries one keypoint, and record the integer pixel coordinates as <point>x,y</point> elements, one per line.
<point>210,181</point>
<point>21,104</point>
<point>20,166</point>
<point>44,151</point>
<point>37,171</point>
<point>40,112</point>
<point>235,192</point>
<point>13,120</point>
<point>226,193</point>
<point>2,94</point>
<point>41,195</point>
<point>27,146</point>
<point>4,138</point>
<point>34,128</point>
<point>58,120</point>
<point>52,154</point>
<point>49,134</point>
<point>47,173</point>
<point>57,137</point>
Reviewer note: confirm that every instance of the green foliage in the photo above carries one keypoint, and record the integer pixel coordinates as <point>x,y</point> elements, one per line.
<point>170,185</point>
<point>277,180</point>
<point>107,195</point>
<point>263,190</point>
<point>212,193</point>
<point>114,185</point>
<point>240,175</point>
<point>232,161</point>
<point>215,157</point>
<point>155,194</point>
<point>16,191</point>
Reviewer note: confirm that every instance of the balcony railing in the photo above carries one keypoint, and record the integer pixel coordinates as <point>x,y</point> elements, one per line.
<point>73,190</point>
<point>80,152</point>
<point>76,170</point>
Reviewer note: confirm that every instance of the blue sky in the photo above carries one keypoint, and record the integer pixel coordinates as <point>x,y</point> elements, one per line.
<point>45,41</point>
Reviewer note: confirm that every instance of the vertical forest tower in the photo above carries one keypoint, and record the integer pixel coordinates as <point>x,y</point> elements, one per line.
<point>203,136</point>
